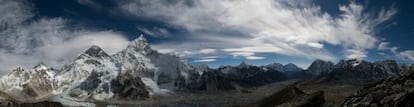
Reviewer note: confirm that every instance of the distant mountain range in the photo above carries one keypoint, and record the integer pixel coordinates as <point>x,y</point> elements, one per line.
<point>139,72</point>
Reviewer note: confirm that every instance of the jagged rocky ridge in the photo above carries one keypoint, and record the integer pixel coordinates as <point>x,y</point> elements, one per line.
<point>392,92</point>
<point>290,67</point>
<point>290,70</point>
<point>320,67</point>
<point>361,72</point>
<point>237,77</point>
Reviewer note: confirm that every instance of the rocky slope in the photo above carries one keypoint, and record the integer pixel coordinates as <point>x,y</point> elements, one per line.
<point>236,77</point>
<point>275,66</point>
<point>28,85</point>
<point>290,70</point>
<point>392,92</point>
<point>290,67</point>
<point>360,72</point>
<point>319,67</point>
<point>291,97</point>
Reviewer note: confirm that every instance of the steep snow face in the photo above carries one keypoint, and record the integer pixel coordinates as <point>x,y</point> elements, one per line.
<point>276,66</point>
<point>46,71</point>
<point>133,59</point>
<point>93,60</point>
<point>291,68</point>
<point>319,66</point>
<point>154,88</point>
<point>170,68</point>
<point>164,69</point>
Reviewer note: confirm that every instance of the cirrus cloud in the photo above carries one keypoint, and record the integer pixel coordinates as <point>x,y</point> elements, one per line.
<point>26,41</point>
<point>291,28</point>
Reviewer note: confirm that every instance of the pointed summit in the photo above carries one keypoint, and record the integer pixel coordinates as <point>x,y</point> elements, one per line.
<point>276,66</point>
<point>140,42</point>
<point>290,67</point>
<point>141,38</point>
<point>40,66</point>
<point>320,66</point>
<point>139,45</point>
<point>243,64</point>
<point>96,51</point>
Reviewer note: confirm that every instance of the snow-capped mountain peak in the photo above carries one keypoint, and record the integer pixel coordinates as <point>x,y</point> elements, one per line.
<point>96,51</point>
<point>355,62</point>
<point>276,66</point>
<point>290,67</point>
<point>40,66</point>
<point>43,68</point>
<point>140,45</point>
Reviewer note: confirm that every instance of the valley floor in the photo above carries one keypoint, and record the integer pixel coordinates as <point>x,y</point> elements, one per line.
<point>334,95</point>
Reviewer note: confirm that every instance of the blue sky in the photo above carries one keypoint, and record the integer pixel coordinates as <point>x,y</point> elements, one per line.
<point>213,32</point>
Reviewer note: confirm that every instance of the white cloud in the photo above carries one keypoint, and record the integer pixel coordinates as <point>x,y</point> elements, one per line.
<point>247,55</point>
<point>207,51</point>
<point>165,51</point>
<point>209,57</point>
<point>155,31</point>
<point>385,46</point>
<point>265,26</point>
<point>205,60</point>
<point>254,57</point>
<point>49,40</point>
<point>408,54</point>
<point>14,12</point>
<point>355,54</point>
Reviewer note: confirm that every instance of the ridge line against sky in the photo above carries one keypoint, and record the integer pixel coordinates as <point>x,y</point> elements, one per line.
<point>213,32</point>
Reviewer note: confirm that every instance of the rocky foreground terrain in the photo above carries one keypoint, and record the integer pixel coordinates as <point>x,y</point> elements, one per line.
<point>391,92</point>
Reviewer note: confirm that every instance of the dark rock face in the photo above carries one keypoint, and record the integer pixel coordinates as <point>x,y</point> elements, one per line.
<point>275,66</point>
<point>97,52</point>
<point>356,72</point>
<point>392,92</point>
<point>319,67</point>
<point>5,103</point>
<point>214,81</point>
<point>41,104</point>
<point>299,75</point>
<point>390,66</point>
<point>89,85</point>
<point>292,97</point>
<point>290,67</point>
<point>254,76</point>
<point>228,78</point>
<point>129,87</point>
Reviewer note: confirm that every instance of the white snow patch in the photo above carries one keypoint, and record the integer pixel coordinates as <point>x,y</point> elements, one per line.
<point>72,103</point>
<point>103,96</point>
<point>154,87</point>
